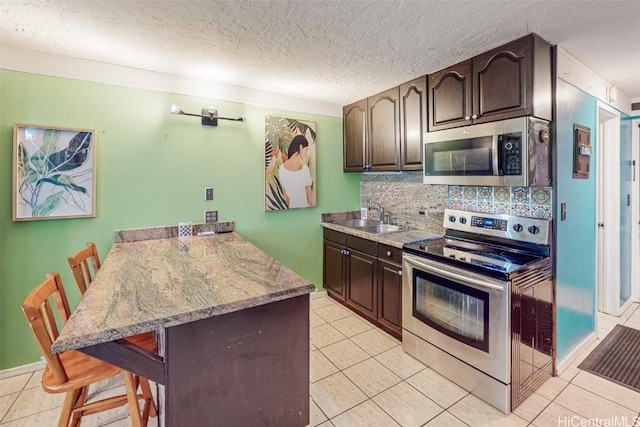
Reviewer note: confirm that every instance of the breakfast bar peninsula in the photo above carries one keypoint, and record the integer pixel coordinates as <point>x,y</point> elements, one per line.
<point>231,324</point>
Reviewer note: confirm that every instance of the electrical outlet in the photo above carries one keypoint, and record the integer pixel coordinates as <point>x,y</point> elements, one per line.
<point>364,213</point>
<point>208,193</point>
<point>210,216</point>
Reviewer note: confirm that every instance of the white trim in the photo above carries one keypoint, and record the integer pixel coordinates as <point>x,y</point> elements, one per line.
<point>635,211</point>
<point>564,364</point>
<point>318,294</point>
<point>20,370</point>
<point>608,146</point>
<point>579,75</point>
<point>28,61</point>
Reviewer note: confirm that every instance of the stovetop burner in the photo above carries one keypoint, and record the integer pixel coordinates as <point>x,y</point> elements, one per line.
<point>474,255</point>
<point>493,244</point>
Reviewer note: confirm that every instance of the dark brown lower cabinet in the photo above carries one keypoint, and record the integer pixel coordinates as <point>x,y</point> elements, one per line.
<point>366,277</point>
<point>390,290</point>
<point>532,335</point>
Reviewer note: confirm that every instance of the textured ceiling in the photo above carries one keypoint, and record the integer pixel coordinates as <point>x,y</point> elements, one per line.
<point>330,51</point>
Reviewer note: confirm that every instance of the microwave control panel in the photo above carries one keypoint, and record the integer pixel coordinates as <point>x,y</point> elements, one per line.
<point>510,153</point>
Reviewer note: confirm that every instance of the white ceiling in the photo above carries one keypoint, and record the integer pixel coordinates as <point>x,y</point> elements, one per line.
<point>333,51</point>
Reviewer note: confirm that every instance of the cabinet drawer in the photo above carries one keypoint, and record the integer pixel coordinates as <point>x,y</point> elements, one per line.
<point>362,245</point>
<point>334,236</point>
<point>390,254</point>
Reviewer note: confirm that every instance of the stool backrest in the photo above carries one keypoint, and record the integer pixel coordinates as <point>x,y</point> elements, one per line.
<point>79,263</point>
<point>37,309</point>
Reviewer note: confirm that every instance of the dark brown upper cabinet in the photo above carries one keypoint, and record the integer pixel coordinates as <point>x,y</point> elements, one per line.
<point>355,136</point>
<point>413,122</point>
<point>384,132</point>
<point>513,80</point>
<point>450,96</point>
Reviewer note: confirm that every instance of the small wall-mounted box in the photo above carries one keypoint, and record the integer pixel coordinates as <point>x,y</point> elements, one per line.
<point>582,150</point>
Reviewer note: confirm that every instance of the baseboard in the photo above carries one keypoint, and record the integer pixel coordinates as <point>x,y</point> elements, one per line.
<point>20,370</point>
<point>318,294</point>
<point>562,365</point>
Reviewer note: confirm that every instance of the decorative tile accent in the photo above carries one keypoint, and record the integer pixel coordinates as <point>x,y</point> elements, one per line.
<point>541,196</point>
<point>520,194</point>
<point>502,194</point>
<point>522,201</point>
<point>470,193</point>
<point>485,193</point>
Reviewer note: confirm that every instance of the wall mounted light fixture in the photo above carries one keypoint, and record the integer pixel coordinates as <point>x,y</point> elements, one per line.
<point>209,115</point>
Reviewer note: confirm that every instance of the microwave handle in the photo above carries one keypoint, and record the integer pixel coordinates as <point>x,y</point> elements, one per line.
<point>454,276</point>
<point>496,150</point>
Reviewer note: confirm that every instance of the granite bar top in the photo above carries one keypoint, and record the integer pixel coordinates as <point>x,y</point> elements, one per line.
<point>147,285</point>
<point>395,239</point>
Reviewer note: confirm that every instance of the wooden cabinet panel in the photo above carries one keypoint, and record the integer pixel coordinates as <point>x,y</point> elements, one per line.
<point>413,122</point>
<point>502,81</point>
<point>390,298</point>
<point>509,81</point>
<point>384,132</point>
<point>362,289</point>
<point>355,135</point>
<point>450,96</point>
<point>333,269</point>
<point>532,336</point>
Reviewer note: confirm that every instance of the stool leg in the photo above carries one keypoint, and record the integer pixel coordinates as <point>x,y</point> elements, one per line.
<point>132,399</point>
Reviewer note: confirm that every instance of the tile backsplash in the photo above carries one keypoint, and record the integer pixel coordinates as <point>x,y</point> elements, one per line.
<point>409,200</point>
<point>521,201</point>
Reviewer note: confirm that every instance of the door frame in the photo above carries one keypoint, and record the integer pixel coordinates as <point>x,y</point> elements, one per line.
<point>608,211</point>
<point>635,208</point>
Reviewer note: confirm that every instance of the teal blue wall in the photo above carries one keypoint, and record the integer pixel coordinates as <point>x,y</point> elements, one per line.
<point>152,169</point>
<point>575,237</point>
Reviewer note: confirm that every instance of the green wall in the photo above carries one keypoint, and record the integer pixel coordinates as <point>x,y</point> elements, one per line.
<point>152,168</point>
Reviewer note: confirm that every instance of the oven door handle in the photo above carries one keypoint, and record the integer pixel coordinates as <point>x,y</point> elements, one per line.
<point>455,276</point>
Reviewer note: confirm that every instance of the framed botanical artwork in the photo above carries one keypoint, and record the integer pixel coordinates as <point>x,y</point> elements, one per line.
<point>54,172</point>
<point>290,164</point>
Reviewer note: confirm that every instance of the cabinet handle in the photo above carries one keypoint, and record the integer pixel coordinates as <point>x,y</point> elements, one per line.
<point>399,272</point>
<point>346,253</point>
<point>388,253</point>
<point>475,116</point>
<point>467,117</point>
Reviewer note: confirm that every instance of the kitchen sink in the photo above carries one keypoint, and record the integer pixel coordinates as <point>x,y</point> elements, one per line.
<point>369,226</point>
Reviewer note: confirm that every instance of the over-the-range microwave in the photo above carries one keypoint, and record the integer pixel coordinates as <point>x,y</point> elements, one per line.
<point>513,152</point>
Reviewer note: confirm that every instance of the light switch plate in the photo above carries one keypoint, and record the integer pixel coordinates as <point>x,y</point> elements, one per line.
<point>208,193</point>
<point>210,216</point>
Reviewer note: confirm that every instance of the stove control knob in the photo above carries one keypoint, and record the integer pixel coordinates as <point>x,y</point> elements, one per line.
<point>462,220</point>
<point>452,218</point>
<point>517,228</point>
<point>533,229</point>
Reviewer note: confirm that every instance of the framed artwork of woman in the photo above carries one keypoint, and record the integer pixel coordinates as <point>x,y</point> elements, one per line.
<point>290,164</point>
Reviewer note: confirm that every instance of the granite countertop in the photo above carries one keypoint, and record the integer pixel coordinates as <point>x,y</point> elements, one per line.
<point>147,285</point>
<point>395,239</point>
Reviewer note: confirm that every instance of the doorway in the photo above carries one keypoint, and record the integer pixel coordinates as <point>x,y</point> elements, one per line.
<point>613,212</point>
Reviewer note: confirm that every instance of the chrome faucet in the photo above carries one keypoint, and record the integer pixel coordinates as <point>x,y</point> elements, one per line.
<point>380,210</point>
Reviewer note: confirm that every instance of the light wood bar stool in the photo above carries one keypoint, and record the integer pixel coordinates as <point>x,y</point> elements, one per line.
<point>72,372</point>
<point>85,265</point>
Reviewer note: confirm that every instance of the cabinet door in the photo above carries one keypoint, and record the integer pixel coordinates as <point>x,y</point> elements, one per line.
<point>355,135</point>
<point>361,283</point>
<point>333,269</point>
<point>384,132</point>
<point>390,298</point>
<point>450,97</point>
<point>502,82</point>
<point>413,122</point>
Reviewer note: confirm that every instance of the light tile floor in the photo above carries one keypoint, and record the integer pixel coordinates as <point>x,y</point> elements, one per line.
<point>361,377</point>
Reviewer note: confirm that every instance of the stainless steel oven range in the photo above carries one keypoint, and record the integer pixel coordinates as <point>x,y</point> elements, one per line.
<point>477,303</point>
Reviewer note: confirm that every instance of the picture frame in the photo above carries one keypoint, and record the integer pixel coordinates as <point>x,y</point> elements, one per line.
<point>290,164</point>
<point>54,172</point>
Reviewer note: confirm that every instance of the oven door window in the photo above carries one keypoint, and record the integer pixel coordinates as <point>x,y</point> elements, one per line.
<point>452,308</point>
<point>472,156</point>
